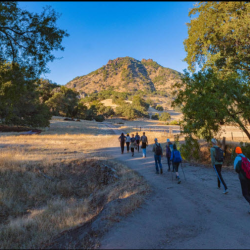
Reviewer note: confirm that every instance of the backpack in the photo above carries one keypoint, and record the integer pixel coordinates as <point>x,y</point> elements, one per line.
<point>219,154</point>
<point>144,138</point>
<point>158,150</point>
<point>245,166</point>
<point>176,156</point>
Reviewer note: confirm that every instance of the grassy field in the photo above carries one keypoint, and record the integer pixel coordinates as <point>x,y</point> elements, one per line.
<point>59,180</point>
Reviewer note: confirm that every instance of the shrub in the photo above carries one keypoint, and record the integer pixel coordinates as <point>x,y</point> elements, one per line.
<point>165,116</point>
<point>174,122</point>
<point>190,149</point>
<point>159,107</point>
<point>99,118</point>
<point>155,116</point>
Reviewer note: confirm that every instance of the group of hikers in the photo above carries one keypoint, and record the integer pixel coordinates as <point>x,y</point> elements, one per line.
<point>173,155</point>
<point>241,162</point>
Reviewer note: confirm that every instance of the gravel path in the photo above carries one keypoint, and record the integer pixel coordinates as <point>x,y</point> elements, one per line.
<point>193,214</point>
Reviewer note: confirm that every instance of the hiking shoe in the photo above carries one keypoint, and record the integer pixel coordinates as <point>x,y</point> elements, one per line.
<point>161,171</point>
<point>179,181</point>
<point>226,191</point>
<point>218,187</point>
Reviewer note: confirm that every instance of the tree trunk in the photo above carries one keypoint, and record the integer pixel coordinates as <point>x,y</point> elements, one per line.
<point>237,120</point>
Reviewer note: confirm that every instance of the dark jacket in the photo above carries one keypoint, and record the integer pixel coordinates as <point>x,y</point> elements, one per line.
<point>168,151</point>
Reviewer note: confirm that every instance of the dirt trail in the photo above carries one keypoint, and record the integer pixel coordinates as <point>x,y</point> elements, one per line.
<point>193,214</point>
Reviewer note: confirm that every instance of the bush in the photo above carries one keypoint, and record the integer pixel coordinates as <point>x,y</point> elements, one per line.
<point>126,111</point>
<point>99,118</point>
<point>155,116</point>
<point>159,107</point>
<point>165,117</point>
<point>174,122</point>
<point>190,149</point>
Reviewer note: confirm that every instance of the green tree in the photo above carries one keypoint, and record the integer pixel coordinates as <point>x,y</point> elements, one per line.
<point>155,116</point>
<point>165,116</point>
<point>139,102</point>
<point>82,110</point>
<point>159,107</point>
<point>45,88</point>
<point>126,110</point>
<point>218,37</point>
<point>29,39</point>
<point>210,102</point>
<point>106,111</point>
<point>64,101</point>
<point>19,100</point>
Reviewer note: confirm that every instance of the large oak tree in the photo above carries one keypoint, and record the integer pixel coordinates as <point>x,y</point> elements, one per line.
<point>219,43</point>
<point>27,43</point>
<point>219,37</point>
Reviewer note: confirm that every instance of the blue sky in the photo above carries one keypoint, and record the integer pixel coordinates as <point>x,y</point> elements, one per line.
<point>100,31</point>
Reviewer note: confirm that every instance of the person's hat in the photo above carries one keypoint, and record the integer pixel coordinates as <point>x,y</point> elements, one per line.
<point>155,139</point>
<point>168,140</point>
<point>238,150</point>
<point>214,141</point>
<point>127,134</point>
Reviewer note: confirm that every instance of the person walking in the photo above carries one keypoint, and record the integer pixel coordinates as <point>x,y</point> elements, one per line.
<point>242,167</point>
<point>137,138</point>
<point>176,160</point>
<point>144,144</point>
<point>122,139</point>
<point>128,139</point>
<point>171,149</point>
<point>217,161</point>
<point>133,144</point>
<point>168,153</point>
<point>157,149</point>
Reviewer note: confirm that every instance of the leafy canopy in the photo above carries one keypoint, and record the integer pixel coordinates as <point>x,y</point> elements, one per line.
<point>210,102</point>
<point>19,100</point>
<point>218,37</point>
<point>29,38</point>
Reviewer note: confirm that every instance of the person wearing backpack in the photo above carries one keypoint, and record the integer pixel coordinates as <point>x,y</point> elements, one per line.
<point>242,167</point>
<point>144,144</point>
<point>157,149</point>
<point>217,157</point>
<point>169,148</point>
<point>133,144</point>
<point>122,139</point>
<point>176,160</point>
<point>137,138</point>
<point>128,140</point>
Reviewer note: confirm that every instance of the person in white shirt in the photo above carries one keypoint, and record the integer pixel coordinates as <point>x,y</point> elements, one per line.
<point>128,140</point>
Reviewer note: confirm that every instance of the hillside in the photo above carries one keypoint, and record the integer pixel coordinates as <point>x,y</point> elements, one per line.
<point>126,74</point>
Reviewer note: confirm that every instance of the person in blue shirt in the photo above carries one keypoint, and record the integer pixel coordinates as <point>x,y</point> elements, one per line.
<point>176,160</point>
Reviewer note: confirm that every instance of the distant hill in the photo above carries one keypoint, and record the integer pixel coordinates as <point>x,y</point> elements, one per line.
<point>126,74</point>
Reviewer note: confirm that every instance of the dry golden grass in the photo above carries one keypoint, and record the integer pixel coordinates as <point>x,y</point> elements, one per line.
<point>54,182</point>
